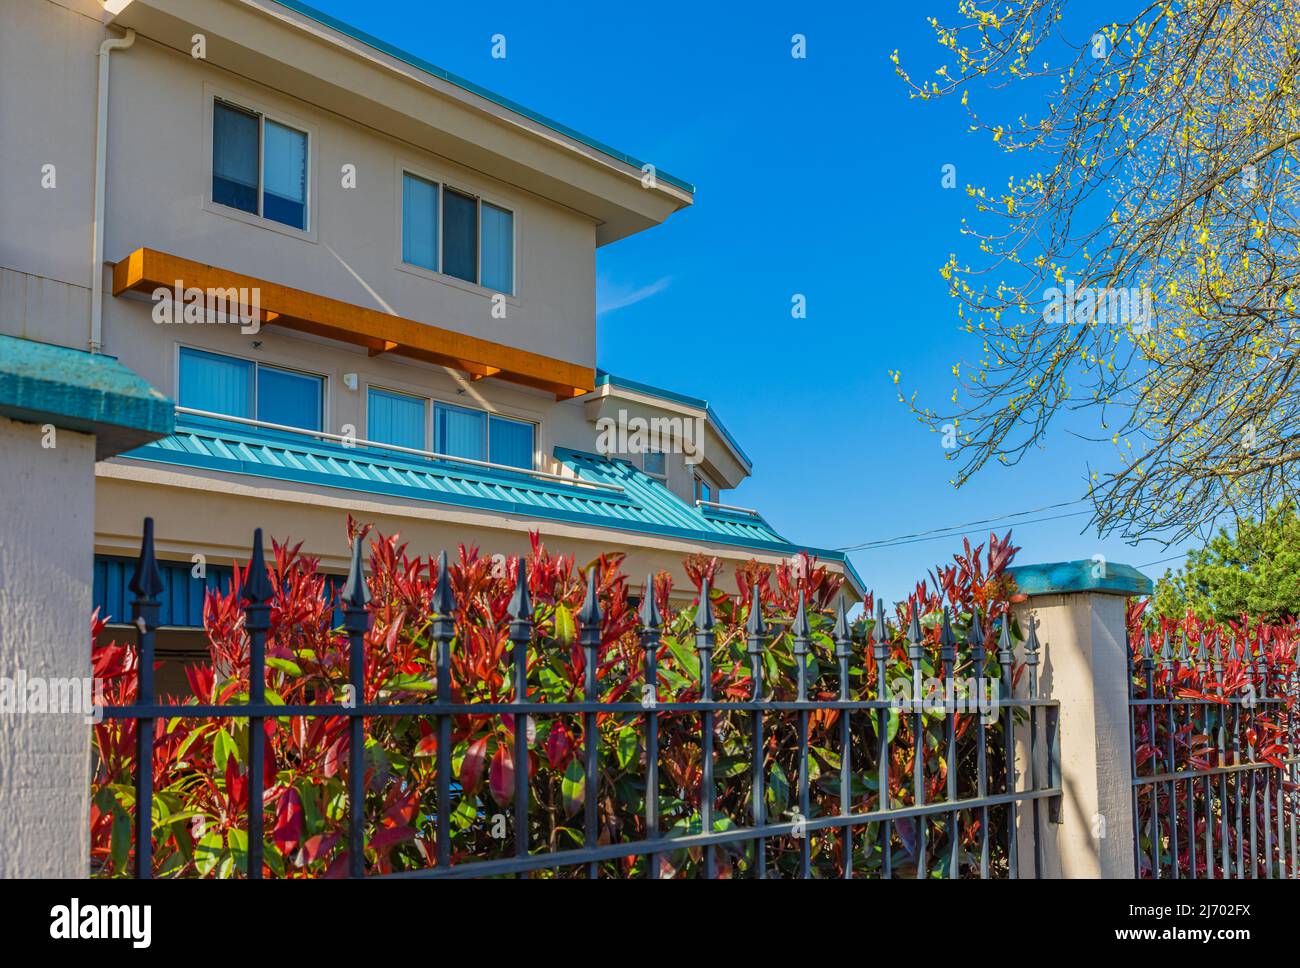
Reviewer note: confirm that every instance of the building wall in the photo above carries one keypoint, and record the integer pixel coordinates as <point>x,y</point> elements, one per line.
<point>160,178</point>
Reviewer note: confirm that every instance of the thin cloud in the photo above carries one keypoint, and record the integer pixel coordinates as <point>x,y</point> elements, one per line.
<point>610,296</point>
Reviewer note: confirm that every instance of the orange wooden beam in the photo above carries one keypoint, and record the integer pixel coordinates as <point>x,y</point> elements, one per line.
<point>145,270</point>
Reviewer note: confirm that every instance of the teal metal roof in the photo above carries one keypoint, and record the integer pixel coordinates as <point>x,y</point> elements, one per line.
<point>421,64</point>
<point>87,392</point>
<point>644,506</point>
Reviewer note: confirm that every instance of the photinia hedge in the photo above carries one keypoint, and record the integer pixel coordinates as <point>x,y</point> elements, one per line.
<point>200,767</point>
<point>1225,697</point>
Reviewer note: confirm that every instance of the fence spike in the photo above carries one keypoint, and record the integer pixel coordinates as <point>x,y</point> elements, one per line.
<point>880,633</point>
<point>1181,655</point>
<point>147,581</point>
<point>842,636</point>
<point>947,641</point>
<point>755,627</point>
<point>704,613</point>
<point>975,637</point>
<point>355,593</point>
<point>1004,639</point>
<point>800,628</point>
<point>257,582</point>
<point>521,603</point>
<point>1165,654</point>
<point>590,615</point>
<point>1031,643</point>
<point>649,607</point>
<point>444,602</point>
<point>914,651</point>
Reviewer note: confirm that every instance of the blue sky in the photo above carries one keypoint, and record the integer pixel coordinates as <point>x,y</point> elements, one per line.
<point>816,176</point>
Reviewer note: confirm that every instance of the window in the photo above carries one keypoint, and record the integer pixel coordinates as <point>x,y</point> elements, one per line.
<point>702,490</point>
<point>460,432</point>
<point>419,222</point>
<point>656,463</point>
<point>242,388</point>
<point>218,384</point>
<point>458,234</point>
<point>498,248</point>
<point>259,166</point>
<point>395,418</point>
<point>289,398</point>
<point>510,442</point>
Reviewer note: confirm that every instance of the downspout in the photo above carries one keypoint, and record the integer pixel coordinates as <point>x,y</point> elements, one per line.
<point>101,169</point>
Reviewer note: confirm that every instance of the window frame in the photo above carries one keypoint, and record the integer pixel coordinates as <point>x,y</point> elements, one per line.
<point>488,417</point>
<point>256,364</point>
<point>212,95</point>
<point>645,465</point>
<point>465,187</point>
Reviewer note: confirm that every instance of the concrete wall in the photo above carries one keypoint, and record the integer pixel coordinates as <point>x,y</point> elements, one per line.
<point>45,603</point>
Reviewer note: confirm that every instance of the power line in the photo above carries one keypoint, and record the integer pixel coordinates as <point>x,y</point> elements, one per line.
<point>1163,560</point>
<point>951,530</point>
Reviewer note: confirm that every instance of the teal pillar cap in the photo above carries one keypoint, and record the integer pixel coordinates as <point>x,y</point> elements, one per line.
<point>86,392</point>
<point>1063,577</point>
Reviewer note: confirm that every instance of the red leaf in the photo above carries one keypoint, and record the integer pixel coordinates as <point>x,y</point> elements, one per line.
<point>558,747</point>
<point>317,847</point>
<point>501,776</point>
<point>471,768</point>
<point>288,821</point>
<point>390,837</point>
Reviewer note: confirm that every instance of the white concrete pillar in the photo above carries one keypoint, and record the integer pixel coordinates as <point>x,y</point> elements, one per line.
<point>60,411</point>
<point>1079,608</point>
<point>47,530</point>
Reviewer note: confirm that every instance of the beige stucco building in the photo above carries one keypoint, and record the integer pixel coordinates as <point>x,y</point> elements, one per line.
<point>386,282</point>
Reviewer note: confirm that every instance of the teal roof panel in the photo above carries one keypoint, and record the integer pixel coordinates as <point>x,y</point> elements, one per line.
<point>644,505</point>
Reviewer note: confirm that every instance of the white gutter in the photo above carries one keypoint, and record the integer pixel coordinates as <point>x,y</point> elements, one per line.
<point>101,170</point>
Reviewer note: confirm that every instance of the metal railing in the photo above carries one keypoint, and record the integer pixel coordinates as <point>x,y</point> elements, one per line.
<point>397,448</point>
<point>1213,736</point>
<point>952,835</point>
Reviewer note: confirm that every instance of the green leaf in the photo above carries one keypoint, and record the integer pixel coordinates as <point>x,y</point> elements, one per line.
<point>565,630</point>
<point>284,665</point>
<point>238,841</point>
<point>778,791</point>
<point>224,747</point>
<point>627,746</point>
<point>686,657</point>
<point>573,787</point>
<point>121,839</point>
<point>208,852</point>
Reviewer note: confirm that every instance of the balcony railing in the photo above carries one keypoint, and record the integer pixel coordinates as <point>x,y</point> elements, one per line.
<point>412,451</point>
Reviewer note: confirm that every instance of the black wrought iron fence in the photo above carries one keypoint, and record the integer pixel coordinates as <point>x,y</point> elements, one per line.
<point>1214,730</point>
<point>975,829</point>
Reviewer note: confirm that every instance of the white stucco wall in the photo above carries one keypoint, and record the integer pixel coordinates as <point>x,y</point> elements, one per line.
<point>45,603</point>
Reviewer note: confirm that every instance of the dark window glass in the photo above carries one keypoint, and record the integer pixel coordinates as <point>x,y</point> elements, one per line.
<point>234,157</point>
<point>459,236</point>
